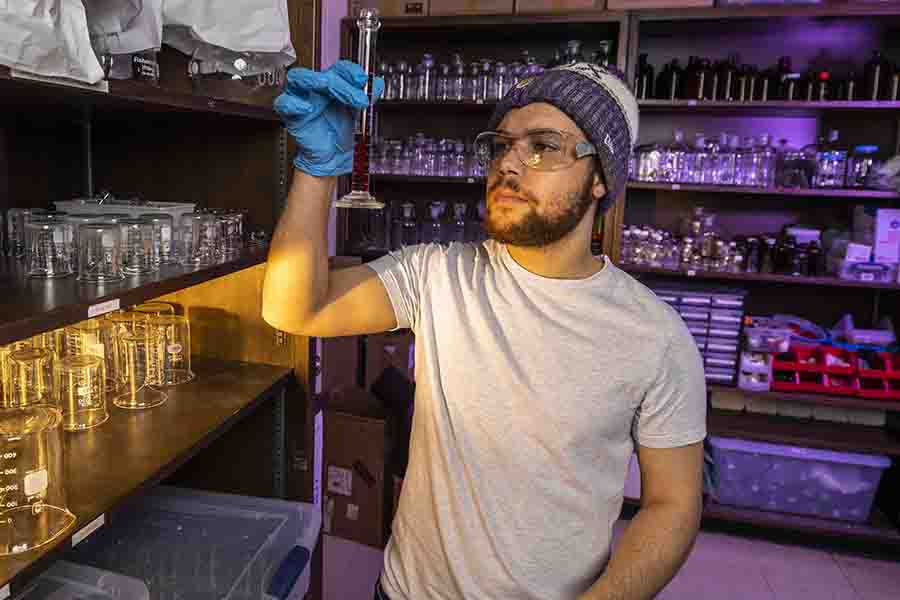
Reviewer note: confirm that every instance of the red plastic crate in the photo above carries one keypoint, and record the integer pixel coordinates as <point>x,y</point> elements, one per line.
<point>888,368</point>
<point>799,356</point>
<point>811,382</point>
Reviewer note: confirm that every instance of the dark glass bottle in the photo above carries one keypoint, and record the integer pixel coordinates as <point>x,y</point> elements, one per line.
<point>766,88</point>
<point>874,77</point>
<point>816,260</point>
<point>712,91</point>
<point>643,84</point>
<point>669,82</point>
<point>573,52</point>
<point>601,55</point>
<point>848,88</point>
<point>727,76</point>
<point>743,84</point>
<point>822,87</point>
<point>695,76</point>
<point>782,69</point>
<point>767,256</point>
<point>892,87</point>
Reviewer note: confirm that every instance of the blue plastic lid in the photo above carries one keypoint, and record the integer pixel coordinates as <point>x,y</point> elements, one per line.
<point>847,458</point>
<point>865,149</point>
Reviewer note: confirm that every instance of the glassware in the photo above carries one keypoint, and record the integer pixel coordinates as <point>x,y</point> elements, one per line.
<point>766,162</point>
<point>417,165</point>
<point>875,76</point>
<point>199,235</point>
<point>360,196</point>
<point>426,79</point>
<point>16,220</point>
<point>97,337</point>
<point>795,168</point>
<point>727,75</point>
<point>573,52</point>
<point>114,217</point>
<point>51,253</point>
<point>673,158</point>
<point>141,367</point>
<point>29,373</point>
<point>33,510</point>
<point>643,84</point>
<point>669,82</point>
<point>476,167</point>
<point>229,233</point>
<point>99,253</point>
<point>457,167</point>
<point>444,156</point>
<point>501,81</point>
<point>405,230</point>
<point>726,160</point>
<point>402,75</point>
<point>170,349</point>
<point>154,308</point>
<point>390,84</point>
<point>77,220</point>
<point>458,82</point>
<point>862,167</point>
<point>163,237</point>
<point>53,340</point>
<point>745,170</point>
<point>443,89</point>
<point>137,247</point>
<point>831,164</point>
<point>472,89</point>
<point>650,163</point>
<point>456,231</point>
<point>80,388</point>
<point>429,168</point>
<point>432,230</point>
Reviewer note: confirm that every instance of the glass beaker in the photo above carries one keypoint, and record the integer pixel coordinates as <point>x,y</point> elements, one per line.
<point>77,220</point>
<point>54,341</point>
<point>137,247</point>
<point>154,308</point>
<point>33,509</point>
<point>16,219</point>
<point>79,383</point>
<point>114,217</point>
<point>198,239</point>
<point>171,349</point>
<point>97,337</point>
<point>229,232</point>
<point>29,371</point>
<point>50,252</point>
<point>99,253</point>
<point>163,237</point>
<point>141,367</point>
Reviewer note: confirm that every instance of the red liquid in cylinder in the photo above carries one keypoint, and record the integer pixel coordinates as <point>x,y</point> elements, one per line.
<point>360,179</point>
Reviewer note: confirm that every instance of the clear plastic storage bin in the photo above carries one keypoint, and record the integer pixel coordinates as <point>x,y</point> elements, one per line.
<point>68,581</point>
<point>199,545</point>
<point>822,483</point>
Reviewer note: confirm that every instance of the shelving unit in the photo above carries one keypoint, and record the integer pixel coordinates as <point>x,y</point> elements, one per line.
<point>814,399</point>
<point>847,194</point>
<point>29,306</point>
<point>216,144</point>
<point>135,450</point>
<point>778,107</point>
<point>761,277</point>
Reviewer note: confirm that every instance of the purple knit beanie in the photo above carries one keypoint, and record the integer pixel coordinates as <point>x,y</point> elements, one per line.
<point>599,101</point>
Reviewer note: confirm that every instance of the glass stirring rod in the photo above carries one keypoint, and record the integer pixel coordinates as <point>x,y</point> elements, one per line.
<point>359,196</point>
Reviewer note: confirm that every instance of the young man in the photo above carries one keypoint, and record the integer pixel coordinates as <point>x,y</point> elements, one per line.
<point>538,366</point>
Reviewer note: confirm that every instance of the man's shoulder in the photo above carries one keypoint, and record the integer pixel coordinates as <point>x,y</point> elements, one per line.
<point>637,297</point>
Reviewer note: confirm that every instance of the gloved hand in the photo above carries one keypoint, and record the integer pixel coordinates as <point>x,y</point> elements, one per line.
<point>319,110</point>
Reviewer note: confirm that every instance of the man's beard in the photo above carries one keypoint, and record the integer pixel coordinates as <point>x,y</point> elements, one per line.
<point>533,230</point>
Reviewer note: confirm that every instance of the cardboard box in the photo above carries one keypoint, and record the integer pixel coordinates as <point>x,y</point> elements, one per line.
<point>645,4</point>
<point>887,235</point>
<point>359,484</point>
<point>471,7</point>
<point>557,6</point>
<point>391,8</point>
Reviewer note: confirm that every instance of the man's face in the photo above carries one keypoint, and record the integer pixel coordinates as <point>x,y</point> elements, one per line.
<point>528,207</point>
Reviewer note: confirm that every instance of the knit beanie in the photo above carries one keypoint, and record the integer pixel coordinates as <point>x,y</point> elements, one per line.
<point>599,101</point>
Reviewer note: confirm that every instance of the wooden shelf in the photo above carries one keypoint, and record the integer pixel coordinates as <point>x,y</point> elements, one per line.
<point>753,191</point>
<point>840,437</point>
<point>760,277</point>
<point>128,94</point>
<point>817,399</point>
<point>30,306</point>
<point>779,107</point>
<point>135,450</point>
<point>479,181</point>
<point>878,529</point>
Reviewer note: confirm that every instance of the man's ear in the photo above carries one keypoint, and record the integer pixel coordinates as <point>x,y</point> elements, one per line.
<point>598,188</point>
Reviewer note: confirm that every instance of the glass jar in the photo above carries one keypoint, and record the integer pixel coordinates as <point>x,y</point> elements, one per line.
<point>426,79</point>
<point>405,229</point>
<point>862,167</point>
<point>16,220</point>
<point>831,169</point>
<point>443,89</point>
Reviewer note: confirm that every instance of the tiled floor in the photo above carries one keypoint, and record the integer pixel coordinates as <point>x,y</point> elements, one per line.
<point>720,567</point>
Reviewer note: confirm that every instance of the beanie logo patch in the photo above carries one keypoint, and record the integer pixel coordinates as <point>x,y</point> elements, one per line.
<point>524,83</point>
<point>608,142</point>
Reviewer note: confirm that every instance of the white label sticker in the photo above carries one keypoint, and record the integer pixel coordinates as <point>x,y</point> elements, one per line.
<point>676,186</point>
<point>103,308</point>
<point>470,180</point>
<point>691,272</point>
<point>100,86</point>
<point>340,481</point>
<point>867,277</point>
<point>88,529</point>
<point>174,348</point>
<point>36,483</point>
<point>352,512</point>
<point>692,103</point>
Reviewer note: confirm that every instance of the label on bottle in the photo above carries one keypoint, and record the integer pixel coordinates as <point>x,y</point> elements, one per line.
<point>145,68</point>
<point>103,308</point>
<point>88,529</point>
<point>470,180</point>
<point>36,483</point>
<point>677,186</point>
<point>175,348</point>
<point>867,277</point>
<point>691,272</point>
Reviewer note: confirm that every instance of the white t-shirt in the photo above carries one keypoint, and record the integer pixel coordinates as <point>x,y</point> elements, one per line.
<point>530,393</point>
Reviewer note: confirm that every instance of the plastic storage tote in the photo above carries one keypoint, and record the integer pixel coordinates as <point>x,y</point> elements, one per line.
<point>822,483</point>
<point>68,581</point>
<point>198,545</point>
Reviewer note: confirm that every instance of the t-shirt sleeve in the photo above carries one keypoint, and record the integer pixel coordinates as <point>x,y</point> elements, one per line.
<point>673,411</point>
<point>402,274</point>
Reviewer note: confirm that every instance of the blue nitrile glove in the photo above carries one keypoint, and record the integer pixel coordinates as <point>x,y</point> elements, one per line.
<point>319,110</point>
